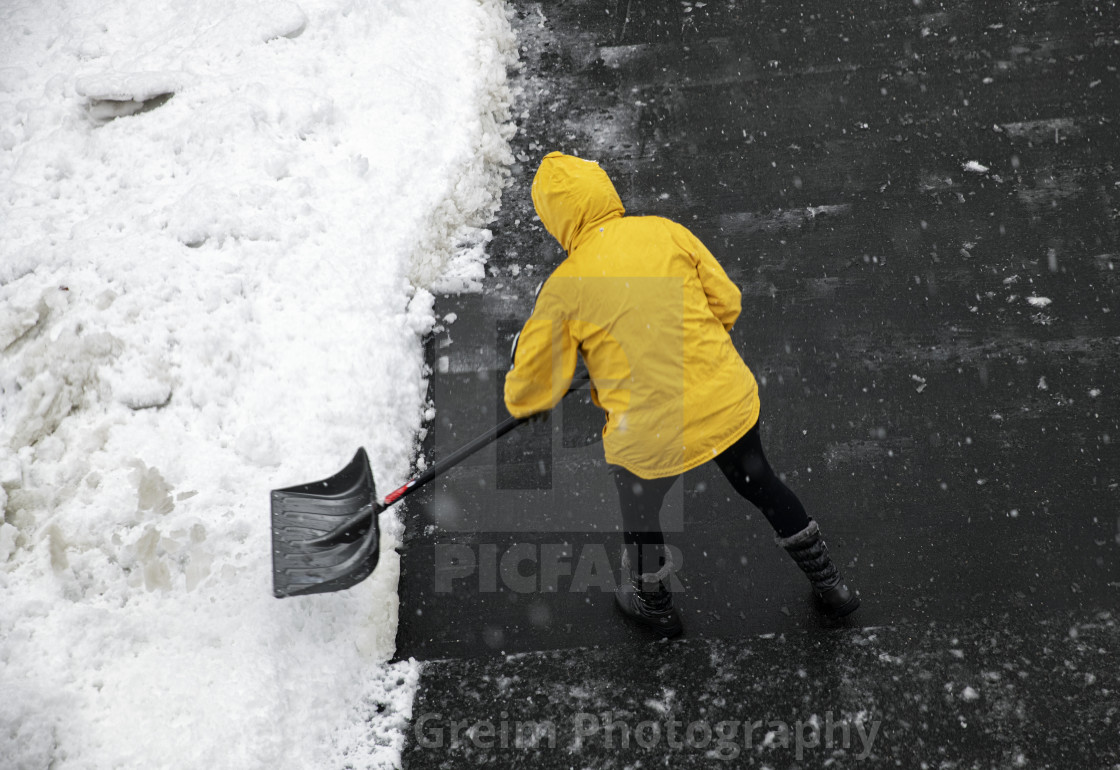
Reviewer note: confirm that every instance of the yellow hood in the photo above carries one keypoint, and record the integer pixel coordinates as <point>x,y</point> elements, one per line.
<point>572,196</point>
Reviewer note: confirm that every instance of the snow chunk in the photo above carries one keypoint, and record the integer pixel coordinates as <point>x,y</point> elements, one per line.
<point>138,382</point>
<point>421,312</point>
<point>7,535</point>
<point>974,167</point>
<point>130,86</point>
<point>15,322</point>
<point>257,446</point>
<point>969,694</point>
<point>11,472</point>
<point>269,21</point>
<point>11,78</point>
<point>1039,301</point>
<point>153,493</point>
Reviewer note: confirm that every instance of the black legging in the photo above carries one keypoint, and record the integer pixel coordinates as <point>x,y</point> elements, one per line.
<point>745,466</point>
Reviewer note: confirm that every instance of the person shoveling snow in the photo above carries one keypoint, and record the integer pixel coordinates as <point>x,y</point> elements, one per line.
<point>649,309</point>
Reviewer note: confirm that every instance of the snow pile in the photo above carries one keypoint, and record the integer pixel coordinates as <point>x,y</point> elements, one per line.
<point>222,220</point>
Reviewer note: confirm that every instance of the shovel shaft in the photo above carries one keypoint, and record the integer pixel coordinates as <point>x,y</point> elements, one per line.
<point>468,449</point>
<point>454,458</point>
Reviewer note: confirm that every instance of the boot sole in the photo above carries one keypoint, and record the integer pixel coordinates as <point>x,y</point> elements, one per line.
<point>665,630</point>
<point>845,609</point>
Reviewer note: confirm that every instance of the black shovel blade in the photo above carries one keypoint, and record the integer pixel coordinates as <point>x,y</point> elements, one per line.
<point>305,513</point>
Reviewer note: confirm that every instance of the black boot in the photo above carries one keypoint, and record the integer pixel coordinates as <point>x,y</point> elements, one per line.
<point>645,598</point>
<point>808,549</point>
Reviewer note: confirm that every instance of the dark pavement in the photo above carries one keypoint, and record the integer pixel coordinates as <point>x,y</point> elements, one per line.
<point>963,695</point>
<point>920,204</point>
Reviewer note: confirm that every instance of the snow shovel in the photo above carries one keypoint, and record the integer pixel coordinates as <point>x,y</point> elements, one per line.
<point>325,535</point>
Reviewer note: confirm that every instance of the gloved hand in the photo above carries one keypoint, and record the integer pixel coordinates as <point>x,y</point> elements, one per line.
<point>540,419</point>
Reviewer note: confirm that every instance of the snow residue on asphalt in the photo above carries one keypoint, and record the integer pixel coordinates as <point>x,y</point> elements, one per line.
<point>221,221</point>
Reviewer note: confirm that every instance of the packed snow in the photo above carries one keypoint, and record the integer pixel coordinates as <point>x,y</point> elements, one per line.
<point>223,223</point>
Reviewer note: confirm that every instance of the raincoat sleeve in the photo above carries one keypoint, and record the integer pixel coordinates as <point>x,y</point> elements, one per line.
<point>724,297</point>
<point>544,359</point>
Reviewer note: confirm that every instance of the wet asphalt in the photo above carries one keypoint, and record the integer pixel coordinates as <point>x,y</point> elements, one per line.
<point>919,202</point>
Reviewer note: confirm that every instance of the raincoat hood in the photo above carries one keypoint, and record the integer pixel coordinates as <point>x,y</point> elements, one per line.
<point>573,196</point>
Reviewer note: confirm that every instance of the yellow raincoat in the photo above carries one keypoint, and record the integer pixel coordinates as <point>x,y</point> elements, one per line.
<point>649,308</point>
